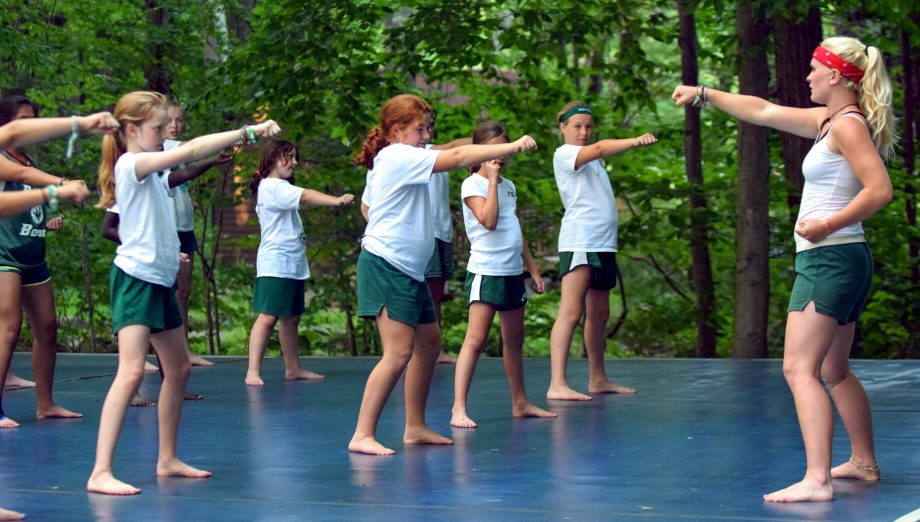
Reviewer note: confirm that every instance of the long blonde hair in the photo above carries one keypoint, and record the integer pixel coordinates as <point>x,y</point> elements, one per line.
<point>134,107</point>
<point>873,92</point>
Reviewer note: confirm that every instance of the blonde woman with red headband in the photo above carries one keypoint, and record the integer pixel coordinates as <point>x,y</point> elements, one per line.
<point>845,182</point>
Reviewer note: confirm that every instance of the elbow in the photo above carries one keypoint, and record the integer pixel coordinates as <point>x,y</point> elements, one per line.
<point>491,225</point>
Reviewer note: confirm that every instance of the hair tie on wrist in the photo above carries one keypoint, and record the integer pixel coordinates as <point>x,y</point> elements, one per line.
<point>74,128</point>
<point>52,198</point>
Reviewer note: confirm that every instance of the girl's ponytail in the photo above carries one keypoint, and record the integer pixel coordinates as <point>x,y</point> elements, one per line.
<point>374,142</point>
<point>112,149</point>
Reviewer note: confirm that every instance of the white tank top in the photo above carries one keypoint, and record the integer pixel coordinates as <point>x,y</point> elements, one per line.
<point>830,185</point>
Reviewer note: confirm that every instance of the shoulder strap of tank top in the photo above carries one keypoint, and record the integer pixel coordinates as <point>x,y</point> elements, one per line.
<point>852,114</point>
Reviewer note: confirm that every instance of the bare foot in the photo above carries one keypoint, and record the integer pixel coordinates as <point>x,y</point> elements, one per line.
<point>56,412</point>
<point>192,396</point>
<point>446,358</point>
<point>107,484</point>
<point>6,514</point>
<point>303,375</point>
<point>14,381</point>
<point>150,367</point>
<point>198,360</point>
<point>369,446</point>
<point>564,393</point>
<point>139,401</point>
<point>851,470</point>
<point>610,387</point>
<point>804,491</point>
<point>424,435</point>
<point>530,410</point>
<point>254,379</point>
<point>6,422</point>
<point>177,468</point>
<point>459,419</point>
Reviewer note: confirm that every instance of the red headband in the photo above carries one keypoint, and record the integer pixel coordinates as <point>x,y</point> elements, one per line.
<point>845,68</point>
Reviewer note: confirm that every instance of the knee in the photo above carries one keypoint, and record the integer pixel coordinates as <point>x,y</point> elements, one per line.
<point>181,370</point>
<point>10,330</point>
<point>569,317</point>
<point>130,377</point>
<point>796,372</point>
<point>834,374</point>
<point>396,361</point>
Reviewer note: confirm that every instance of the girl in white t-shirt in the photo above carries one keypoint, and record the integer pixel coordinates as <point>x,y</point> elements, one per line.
<point>495,280</point>
<point>396,247</point>
<point>281,264</point>
<point>144,308</point>
<point>587,248</point>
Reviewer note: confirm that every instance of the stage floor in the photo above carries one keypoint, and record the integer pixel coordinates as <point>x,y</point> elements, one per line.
<point>702,440</point>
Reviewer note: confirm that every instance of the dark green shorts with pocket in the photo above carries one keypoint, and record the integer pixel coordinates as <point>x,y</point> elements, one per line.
<point>138,302</point>
<point>441,263</point>
<point>501,292</point>
<point>278,296</point>
<point>837,278</point>
<point>381,285</point>
<point>603,267</point>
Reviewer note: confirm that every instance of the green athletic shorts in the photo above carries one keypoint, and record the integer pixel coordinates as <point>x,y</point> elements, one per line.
<point>837,278</point>
<point>278,296</point>
<point>603,267</point>
<point>381,285</point>
<point>501,292</point>
<point>138,302</point>
<point>32,276</point>
<point>441,263</point>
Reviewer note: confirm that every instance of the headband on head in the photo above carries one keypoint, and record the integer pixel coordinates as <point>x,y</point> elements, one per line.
<point>845,68</point>
<point>578,109</point>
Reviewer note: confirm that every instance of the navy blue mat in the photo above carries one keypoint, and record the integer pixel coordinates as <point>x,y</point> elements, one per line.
<point>702,440</point>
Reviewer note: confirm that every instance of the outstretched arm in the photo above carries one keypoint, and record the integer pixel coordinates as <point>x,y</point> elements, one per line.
<point>453,144</point>
<point>469,155</point>
<point>12,171</point>
<point>190,172</point>
<point>751,109</point>
<point>198,148</point>
<point>12,203</point>
<point>316,198</point>
<point>26,131</point>
<point>604,148</point>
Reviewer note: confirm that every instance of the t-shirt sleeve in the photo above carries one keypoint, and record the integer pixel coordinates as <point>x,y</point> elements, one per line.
<point>564,158</point>
<point>125,168</point>
<point>415,165</point>
<point>281,196</point>
<point>470,188</point>
<point>366,195</point>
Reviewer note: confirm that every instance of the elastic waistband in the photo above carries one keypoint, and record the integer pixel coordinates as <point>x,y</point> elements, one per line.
<point>831,241</point>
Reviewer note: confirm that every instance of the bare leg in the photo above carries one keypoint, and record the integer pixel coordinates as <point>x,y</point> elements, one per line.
<point>170,346</point>
<point>39,304</point>
<point>397,339</point>
<point>258,342</point>
<point>418,384</point>
<point>183,294</point>
<point>436,288</point>
<point>853,406</point>
<point>477,331</point>
<point>10,325</point>
<point>808,339</point>
<point>574,287</point>
<point>289,350</point>
<point>512,323</point>
<point>598,311</point>
<point>133,342</point>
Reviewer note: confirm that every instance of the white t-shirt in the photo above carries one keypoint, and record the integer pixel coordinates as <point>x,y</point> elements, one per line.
<point>149,248</point>
<point>830,185</point>
<point>439,196</point>
<point>590,220</point>
<point>184,211</point>
<point>493,252</point>
<point>399,215</point>
<point>283,248</point>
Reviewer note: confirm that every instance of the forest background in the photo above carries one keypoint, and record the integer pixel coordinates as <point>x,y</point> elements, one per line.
<point>706,215</point>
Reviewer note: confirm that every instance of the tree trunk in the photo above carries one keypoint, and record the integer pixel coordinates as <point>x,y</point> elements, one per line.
<point>158,76</point>
<point>798,31</point>
<point>701,267</point>
<point>752,275</point>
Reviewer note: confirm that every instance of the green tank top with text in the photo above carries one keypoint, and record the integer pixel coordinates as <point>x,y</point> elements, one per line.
<point>22,237</point>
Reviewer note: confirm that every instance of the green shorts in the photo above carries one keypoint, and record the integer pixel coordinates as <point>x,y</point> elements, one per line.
<point>441,264</point>
<point>837,278</point>
<point>278,296</point>
<point>501,292</point>
<point>32,276</point>
<point>603,267</point>
<point>381,285</point>
<point>187,242</point>
<point>138,302</point>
